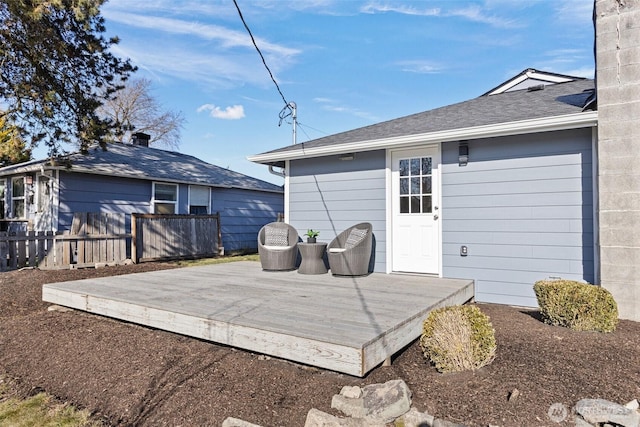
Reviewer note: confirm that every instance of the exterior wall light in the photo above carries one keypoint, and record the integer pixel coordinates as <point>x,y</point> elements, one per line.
<point>463,154</point>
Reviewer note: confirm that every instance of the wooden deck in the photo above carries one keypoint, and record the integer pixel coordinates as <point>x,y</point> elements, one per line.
<point>349,325</point>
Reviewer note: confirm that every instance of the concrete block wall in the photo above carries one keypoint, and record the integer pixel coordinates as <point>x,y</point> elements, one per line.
<point>617,30</point>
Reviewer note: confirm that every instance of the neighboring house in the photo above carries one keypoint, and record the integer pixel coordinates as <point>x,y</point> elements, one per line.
<point>134,178</point>
<point>499,189</point>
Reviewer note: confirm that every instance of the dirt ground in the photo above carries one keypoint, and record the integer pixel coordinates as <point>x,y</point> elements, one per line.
<point>129,375</point>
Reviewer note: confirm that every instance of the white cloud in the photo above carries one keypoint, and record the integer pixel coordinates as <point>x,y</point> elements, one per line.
<point>420,67</point>
<point>233,112</point>
<point>401,9</point>
<point>473,13</point>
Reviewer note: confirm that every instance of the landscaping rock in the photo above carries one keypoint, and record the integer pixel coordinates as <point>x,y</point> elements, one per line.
<point>600,411</point>
<point>352,392</point>
<point>415,418</point>
<point>386,401</point>
<point>317,418</point>
<point>235,422</point>
<point>444,423</point>
<point>634,405</point>
<point>378,402</point>
<point>349,406</point>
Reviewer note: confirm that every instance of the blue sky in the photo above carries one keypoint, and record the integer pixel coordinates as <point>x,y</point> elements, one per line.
<point>346,64</point>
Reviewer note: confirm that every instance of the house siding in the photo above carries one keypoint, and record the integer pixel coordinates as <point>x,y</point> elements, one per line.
<point>330,195</point>
<point>243,213</point>
<point>98,193</point>
<point>523,206</point>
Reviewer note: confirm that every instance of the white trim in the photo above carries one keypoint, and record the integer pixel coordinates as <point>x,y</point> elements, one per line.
<point>389,213</point>
<point>530,74</point>
<point>287,186</point>
<point>389,202</point>
<point>174,202</point>
<point>596,206</point>
<point>208,205</point>
<point>546,124</point>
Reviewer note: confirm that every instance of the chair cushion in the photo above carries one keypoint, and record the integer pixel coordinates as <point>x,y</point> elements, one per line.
<point>336,250</point>
<point>276,236</point>
<point>355,236</point>
<point>276,248</point>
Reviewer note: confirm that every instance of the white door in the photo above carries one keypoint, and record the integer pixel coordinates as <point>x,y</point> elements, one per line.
<point>415,199</point>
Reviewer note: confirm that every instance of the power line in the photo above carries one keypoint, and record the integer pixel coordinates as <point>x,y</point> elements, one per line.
<point>262,56</point>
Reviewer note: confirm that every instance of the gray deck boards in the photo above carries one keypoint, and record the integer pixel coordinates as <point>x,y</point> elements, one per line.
<point>349,325</point>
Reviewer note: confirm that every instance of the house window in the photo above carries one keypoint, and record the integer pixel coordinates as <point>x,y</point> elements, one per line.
<point>198,200</point>
<point>44,193</point>
<point>17,197</point>
<point>165,198</point>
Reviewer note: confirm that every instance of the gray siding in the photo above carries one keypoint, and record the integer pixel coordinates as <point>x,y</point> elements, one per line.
<point>96,193</point>
<point>243,213</point>
<point>524,208</point>
<point>330,195</point>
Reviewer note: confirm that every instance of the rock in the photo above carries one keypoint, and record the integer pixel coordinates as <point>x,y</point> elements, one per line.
<point>387,401</point>
<point>515,393</point>
<point>317,418</point>
<point>235,422</point>
<point>59,308</point>
<point>352,392</point>
<point>379,402</point>
<point>444,423</point>
<point>634,405</point>
<point>415,418</point>
<point>349,406</point>
<point>579,422</point>
<point>596,411</point>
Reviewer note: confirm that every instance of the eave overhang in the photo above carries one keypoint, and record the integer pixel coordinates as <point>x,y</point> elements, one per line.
<point>545,124</point>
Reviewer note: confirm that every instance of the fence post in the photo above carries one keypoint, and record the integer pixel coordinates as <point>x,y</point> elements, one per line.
<point>220,245</point>
<point>134,239</point>
<point>4,250</point>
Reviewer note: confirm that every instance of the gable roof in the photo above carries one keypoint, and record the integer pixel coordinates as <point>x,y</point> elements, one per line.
<point>529,78</point>
<point>550,107</point>
<point>140,162</point>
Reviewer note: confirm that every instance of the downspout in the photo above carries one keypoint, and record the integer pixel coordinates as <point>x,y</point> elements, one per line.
<point>277,173</point>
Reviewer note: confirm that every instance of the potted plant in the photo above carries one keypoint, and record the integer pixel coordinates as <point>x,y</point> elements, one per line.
<point>311,235</point>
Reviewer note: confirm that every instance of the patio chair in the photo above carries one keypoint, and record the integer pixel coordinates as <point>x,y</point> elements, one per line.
<point>349,253</point>
<point>278,246</point>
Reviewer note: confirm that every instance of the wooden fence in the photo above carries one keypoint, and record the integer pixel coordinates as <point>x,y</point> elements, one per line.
<point>94,238</point>
<point>160,237</point>
<point>100,238</point>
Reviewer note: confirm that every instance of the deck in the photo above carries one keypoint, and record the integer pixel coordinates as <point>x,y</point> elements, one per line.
<point>349,325</point>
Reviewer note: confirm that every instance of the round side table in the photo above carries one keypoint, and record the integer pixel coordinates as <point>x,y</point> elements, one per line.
<point>312,258</point>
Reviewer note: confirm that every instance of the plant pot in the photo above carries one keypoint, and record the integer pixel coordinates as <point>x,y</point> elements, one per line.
<point>311,239</point>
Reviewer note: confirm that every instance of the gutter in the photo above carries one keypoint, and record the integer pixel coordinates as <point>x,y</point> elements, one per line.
<point>546,124</point>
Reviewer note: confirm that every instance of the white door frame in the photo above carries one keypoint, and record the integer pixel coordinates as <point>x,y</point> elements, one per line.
<point>389,202</point>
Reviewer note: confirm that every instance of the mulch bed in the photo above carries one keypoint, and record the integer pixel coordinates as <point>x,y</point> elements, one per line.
<point>132,375</point>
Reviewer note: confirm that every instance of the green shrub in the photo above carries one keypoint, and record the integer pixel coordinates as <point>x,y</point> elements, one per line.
<point>458,338</point>
<point>575,305</point>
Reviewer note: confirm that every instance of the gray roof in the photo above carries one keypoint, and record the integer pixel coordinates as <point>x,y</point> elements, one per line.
<point>136,161</point>
<point>554,100</point>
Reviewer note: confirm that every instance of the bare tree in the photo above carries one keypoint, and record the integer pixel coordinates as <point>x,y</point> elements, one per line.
<point>134,109</point>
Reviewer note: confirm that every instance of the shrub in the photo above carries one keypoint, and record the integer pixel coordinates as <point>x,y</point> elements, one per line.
<point>579,306</point>
<point>458,338</point>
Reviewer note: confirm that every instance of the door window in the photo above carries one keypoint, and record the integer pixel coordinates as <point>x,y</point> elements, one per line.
<point>416,185</point>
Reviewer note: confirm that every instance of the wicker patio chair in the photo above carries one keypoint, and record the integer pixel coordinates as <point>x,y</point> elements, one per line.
<point>278,246</point>
<point>349,253</point>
